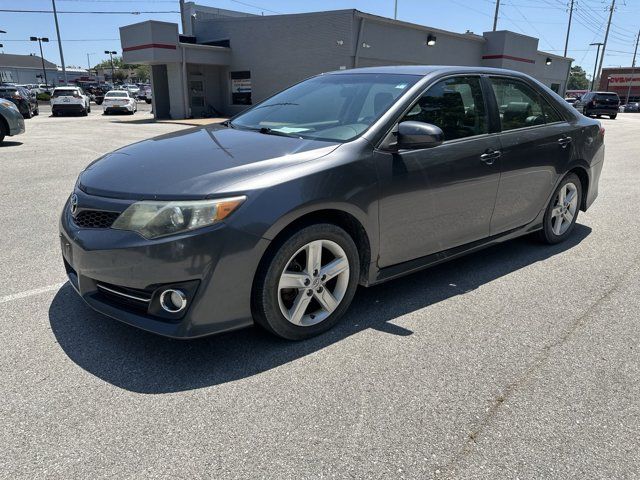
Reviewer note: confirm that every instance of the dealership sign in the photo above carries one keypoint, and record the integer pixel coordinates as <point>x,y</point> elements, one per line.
<point>624,80</point>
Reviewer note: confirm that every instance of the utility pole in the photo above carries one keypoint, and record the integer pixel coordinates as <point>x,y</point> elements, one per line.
<point>40,40</point>
<point>633,67</point>
<point>111,53</point>
<point>395,10</point>
<point>55,17</point>
<point>566,43</point>
<point>595,66</point>
<point>495,17</point>
<point>182,22</point>
<point>606,35</point>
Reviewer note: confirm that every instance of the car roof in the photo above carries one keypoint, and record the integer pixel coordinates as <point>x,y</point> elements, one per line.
<point>424,70</point>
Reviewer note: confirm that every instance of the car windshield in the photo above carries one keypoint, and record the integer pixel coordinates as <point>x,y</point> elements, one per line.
<point>610,97</point>
<point>328,107</point>
<point>117,94</point>
<point>64,93</point>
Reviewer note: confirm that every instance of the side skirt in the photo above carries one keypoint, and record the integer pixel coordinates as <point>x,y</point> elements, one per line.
<point>405,268</point>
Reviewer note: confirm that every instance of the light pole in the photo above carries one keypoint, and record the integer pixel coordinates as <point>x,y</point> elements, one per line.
<point>40,40</point>
<point>1,45</point>
<point>111,54</point>
<point>595,67</point>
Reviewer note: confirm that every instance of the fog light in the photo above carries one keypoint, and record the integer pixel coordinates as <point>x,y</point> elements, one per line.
<point>173,301</point>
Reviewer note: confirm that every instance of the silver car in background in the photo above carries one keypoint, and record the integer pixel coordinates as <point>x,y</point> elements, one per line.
<point>11,120</point>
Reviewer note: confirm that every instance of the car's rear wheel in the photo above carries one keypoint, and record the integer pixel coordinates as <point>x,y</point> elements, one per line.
<point>37,110</point>
<point>613,117</point>
<point>3,131</point>
<point>29,113</point>
<point>307,283</point>
<point>562,211</point>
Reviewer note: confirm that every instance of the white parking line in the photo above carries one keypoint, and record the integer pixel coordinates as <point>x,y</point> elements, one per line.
<point>30,293</point>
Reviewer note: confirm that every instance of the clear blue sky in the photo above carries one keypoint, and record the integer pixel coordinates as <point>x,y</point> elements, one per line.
<point>545,19</point>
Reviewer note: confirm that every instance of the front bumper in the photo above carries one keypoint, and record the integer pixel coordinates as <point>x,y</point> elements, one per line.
<point>214,265</point>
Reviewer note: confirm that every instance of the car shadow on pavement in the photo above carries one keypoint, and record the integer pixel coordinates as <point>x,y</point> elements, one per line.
<point>6,144</point>
<point>142,362</point>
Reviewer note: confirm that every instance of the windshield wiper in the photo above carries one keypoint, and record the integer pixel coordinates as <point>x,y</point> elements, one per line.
<point>275,105</point>
<point>270,131</point>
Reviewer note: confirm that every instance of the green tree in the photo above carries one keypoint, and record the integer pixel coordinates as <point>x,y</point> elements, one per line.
<point>142,73</point>
<point>577,79</point>
<point>119,76</point>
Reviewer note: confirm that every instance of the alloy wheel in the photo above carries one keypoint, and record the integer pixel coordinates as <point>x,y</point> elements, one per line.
<point>564,208</point>
<point>313,283</point>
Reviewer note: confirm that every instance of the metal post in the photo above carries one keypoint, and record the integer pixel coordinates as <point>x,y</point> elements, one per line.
<point>566,43</point>
<point>112,69</point>
<point>495,17</point>
<point>606,35</point>
<point>395,10</point>
<point>633,67</point>
<point>55,17</point>
<point>595,66</point>
<point>44,70</point>
<point>182,22</point>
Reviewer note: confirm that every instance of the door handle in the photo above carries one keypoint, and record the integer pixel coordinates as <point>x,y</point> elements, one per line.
<point>490,156</point>
<point>564,141</point>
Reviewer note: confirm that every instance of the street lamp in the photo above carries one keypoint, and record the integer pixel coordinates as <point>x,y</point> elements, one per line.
<point>111,54</point>
<point>595,67</point>
<point>40,40</point>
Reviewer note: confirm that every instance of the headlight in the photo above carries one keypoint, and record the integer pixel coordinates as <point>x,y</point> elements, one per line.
<point>153,219</point>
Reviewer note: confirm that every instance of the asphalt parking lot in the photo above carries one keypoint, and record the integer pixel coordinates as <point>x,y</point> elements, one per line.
<point>522,361</point>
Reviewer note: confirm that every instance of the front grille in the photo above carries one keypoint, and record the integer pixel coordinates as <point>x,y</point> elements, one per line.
<point>95,219</point>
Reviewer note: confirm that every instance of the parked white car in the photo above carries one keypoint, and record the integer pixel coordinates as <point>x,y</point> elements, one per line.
<point>69,99</point>
<point>119,101</point>
<point>134,90</point>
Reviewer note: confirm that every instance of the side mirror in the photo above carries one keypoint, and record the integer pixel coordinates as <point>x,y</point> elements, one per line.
<point>419,135</point>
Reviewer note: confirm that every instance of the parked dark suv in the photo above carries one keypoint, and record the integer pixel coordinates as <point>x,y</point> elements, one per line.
<point>599,103</point>
<point>23,98</point>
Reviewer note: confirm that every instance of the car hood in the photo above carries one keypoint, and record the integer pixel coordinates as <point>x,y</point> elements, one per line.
<point>195,163</point>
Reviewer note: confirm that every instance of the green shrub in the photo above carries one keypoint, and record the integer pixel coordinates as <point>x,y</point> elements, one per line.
<point>44,97</point>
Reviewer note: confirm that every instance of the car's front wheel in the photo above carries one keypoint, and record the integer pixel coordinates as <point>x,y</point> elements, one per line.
<point>562,211</point>
<point>306,285</point>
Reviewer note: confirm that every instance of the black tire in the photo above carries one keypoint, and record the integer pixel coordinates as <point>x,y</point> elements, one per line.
<point>3,131</point>
<point>36,111</point>
<point>89,109</point>
<point>547,235</point>
<point>29,113</point>
<point>84,112</point>
<point>265,306</point>
<point>148,101</point>
<point>613,117</point>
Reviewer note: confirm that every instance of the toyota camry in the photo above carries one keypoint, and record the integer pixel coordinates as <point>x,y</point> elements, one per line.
<point>348,178</point>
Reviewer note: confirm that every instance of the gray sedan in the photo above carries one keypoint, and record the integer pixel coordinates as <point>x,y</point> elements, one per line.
<point>11,120</point>
<point>349,178</point>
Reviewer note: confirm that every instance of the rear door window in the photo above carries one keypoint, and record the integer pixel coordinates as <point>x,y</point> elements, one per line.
<point>520,106</point>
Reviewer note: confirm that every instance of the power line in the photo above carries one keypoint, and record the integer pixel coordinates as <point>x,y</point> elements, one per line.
<point>6,10</point>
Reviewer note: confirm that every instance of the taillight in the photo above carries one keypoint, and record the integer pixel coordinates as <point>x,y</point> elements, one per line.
<point>601,131</point>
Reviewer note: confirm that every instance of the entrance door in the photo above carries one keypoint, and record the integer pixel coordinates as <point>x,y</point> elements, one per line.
<point>196,95</point>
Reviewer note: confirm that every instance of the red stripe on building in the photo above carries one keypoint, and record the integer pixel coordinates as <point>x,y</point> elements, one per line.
<point>149,45</point>
<point>508,57</point>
